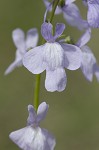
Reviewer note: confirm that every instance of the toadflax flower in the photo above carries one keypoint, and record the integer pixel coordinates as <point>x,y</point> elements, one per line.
<point>93,12</point>
<point>73,17</point>
<point>32,137</point>
<point>22,46</point>
<point>89,65</point>
<point>53,57</point>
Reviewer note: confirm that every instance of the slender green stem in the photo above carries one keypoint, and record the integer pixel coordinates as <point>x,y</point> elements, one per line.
<point>36,92</point>
<point>37,83</point>
<point>53,10</point>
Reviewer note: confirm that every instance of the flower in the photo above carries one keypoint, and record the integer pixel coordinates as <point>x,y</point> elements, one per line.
<point>32,137</point>
<point>53,57</point>
<point>93,12</point>
<point>89,65</point>
<point>22,46</point>
<point>73,17</point>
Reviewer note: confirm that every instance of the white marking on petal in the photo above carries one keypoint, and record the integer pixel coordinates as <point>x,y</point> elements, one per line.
<point>53,55</point>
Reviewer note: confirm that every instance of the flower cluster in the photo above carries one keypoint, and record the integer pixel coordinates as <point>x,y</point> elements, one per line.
<point>72,14</point>
<point>54,55</point>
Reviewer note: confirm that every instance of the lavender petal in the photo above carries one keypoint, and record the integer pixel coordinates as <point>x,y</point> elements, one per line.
<point>88,61</point>
<point>32,38</point>
<point>73,55</point>
<point>32,115</point>
<point>19,39</point>
<point>93,13</point>
<point>84,38</point>
<point>46,31</point>
<point>55,80</point>
<point>60,27</point>
<point>73,17</point>
<point>42,111</point>
<point>33,60</point>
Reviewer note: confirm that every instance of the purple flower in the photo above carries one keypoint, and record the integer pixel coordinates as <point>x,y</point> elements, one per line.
<point>53,57</point>
<point>73,17</point>
<point>32,137</point>
<point>89,65</point>
<point>22,46</point>
<point>93,12</point>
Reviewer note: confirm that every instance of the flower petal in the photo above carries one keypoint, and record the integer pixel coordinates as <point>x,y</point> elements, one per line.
<point>53,55</point>
<point>60,27</point>
<point>47,4</point>
<point>84,38</point>
<point>88,61</point>
<point>30,138</point>
<point>17,63</point>
<point>55,80</point>
<point>32,115</point>
<point>32,38</point>
<point>19,39</point>
<point>68,2</point>
<point>85,2</point>
<point>12,67</point>
<point>33,60</point>
<point>58,10</point>
<point>41,112</point>
<point>73,55</point>
<point>23,137</point>
<point>50,140</point>
<point>49,7</point>
<point>96,71</point>
<point>93,13</point>
<point>46,31</point>
<point>73,17</point>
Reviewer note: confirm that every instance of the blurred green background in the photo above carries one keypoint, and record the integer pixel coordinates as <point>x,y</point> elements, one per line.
<point>73,116</point>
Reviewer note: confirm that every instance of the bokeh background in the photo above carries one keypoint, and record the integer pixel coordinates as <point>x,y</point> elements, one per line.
<point>73,116</point>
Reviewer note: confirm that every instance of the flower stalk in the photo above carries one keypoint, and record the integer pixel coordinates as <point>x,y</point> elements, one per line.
<point>37,91</point>
<point>55,3</point>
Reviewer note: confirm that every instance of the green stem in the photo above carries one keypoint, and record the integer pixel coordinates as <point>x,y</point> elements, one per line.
<point>53,10</point>
<point>37,83</point>
<point>36,92</point>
